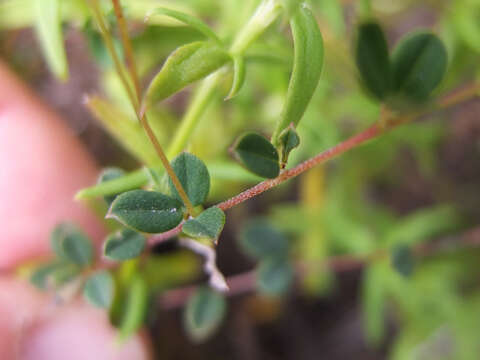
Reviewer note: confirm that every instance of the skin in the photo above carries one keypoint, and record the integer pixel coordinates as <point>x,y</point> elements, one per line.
<point>42,166</point>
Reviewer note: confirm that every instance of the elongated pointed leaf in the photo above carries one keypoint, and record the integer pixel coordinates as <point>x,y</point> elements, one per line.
<point>123,245</point>
<point>71,244</point>
<point>307,67</point>
<point>108,174</point>
<point>194,177</point>
<point>274,276</point>
<point>48,24</point>
<point>208,224</point>
<point>99,289</point>
<point>260,239</point>
<point>135,307</point>
<point>239,72</point>
<point>373,60</point>
<point>419,62</point>
<point>203,314</point>
<point>146,211</point>
<point>258,155</point>
<point>188,19</point>
<point>184,66</point>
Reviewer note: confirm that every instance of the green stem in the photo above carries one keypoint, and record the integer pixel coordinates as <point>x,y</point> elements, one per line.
<point>195,110</point>
<point>265,14</point>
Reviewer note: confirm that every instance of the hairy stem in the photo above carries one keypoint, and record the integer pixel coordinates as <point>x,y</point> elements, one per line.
<point>107,38</point>
<point>142,117</point>
<point>127,47</point>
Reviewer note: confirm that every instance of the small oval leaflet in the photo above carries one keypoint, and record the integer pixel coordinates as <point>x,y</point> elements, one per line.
<point>188,19</point>
<point>288,140</point>
<point>274,276</point>
<point>373,60</point>
<point>69,243</point>
<point>99,289</point>
<point>260,239</point>
<point>146,211</point>
<point>194,177</point>
<point>402,260</point>
<point>203,314</point>
<point>124,244</point>
<point>184,66</point>
<point>419,62</point>
<point>208,224</point>
<point>258,155</point>
<point>307,67</point>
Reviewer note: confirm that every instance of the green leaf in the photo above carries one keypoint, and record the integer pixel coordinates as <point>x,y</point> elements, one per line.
<point>194,177</point>
<point>69,243</point>
<point>124,245</point>
<point>208,224</point>
<point>188,19</point>
<point>184,66</point>
<point>258,155</point>
<point>373,60</point>
<point>274,276</point>
<point>204,313</point>
<point>402,260</point>
<point>288,140</point>
<point>108,174</point>
<point>41,275</point>
<point>260,239</point>
<point>135,307</point>
<point>419,62</point>
<point>307,67</point>
<point>48,24</point>
<point>99,289</point>
<point>238,76</point>
<point>146,211</point>
<point>374,298</point>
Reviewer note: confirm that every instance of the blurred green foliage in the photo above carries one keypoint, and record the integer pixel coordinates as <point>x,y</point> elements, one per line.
<point>338,212</point>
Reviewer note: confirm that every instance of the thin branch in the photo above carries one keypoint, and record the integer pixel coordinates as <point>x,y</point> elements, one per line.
<point>127,46</point>
<point>372,132</point>
<point>245,283</point>
<point>142,117</point>
<point>107,38</point>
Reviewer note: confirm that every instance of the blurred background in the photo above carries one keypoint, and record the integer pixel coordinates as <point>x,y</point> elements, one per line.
<point>416,186</point>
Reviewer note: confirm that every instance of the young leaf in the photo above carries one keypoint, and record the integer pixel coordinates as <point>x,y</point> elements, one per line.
<point>208,224</point>
<point>258,155</point>
<point>259,239</point>
<point>48,24</point>
<point>288,140</point>
<point>146,211</point>
<point>108,174</point>
<point>238,76</point>
<point>307,66</point>
<point>419,62</point>
<point>69,243</point>
<point>203,314</point>
<point>185,65</point>
<point>402,260</point>
<point>274,276</point>
<point>194,177</point>
<point>373,60</point>
<point>135,307</point>
<point>124,244</point>
<point>41,275</point>
<point>188,19</point>
<point>99,289</point>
